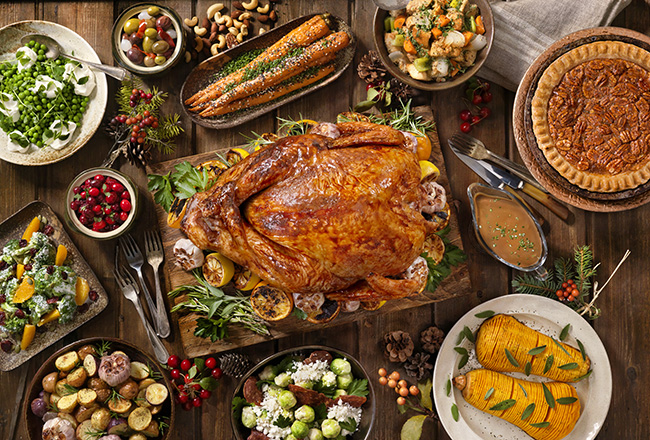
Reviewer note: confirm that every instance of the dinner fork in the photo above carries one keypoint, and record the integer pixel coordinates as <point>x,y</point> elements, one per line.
<point>134,258</point>
<point>476,149</point>
<point>129,289</point>
<point>154,250</point>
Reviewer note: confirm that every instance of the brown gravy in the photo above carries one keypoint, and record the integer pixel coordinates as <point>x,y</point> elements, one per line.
<point>508,230</point>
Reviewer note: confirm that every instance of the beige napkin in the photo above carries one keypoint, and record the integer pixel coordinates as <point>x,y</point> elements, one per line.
<point>523,29</point>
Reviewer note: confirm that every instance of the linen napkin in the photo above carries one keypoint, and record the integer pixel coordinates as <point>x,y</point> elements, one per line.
<point>523,29</point>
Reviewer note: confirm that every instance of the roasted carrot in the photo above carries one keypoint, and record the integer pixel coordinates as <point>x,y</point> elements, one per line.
<point>468,37</point>
<point>436,33</point>
<point>271,93</point>
<point>480,27</point>
<point>408,47</point>
<point>443,20</point>
<point>399,21</point>
<point>323,48</point>
<point>305,34</point>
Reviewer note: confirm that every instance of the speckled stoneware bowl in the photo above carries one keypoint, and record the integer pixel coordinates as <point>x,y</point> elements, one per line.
<point>34,425</point>
<point>70,42</point>
<point>13,227</point>
<point>368,415</point>
<point>432,86</point>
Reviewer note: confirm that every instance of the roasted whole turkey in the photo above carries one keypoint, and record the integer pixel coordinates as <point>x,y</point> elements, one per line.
<point>340,211</point>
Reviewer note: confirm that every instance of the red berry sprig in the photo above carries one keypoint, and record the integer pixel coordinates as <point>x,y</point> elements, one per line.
<point>477,93</point>
<point>568,292</point>
<point>194,380</point>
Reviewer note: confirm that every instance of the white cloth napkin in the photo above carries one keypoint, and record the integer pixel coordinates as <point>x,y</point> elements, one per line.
<point>523,29</point>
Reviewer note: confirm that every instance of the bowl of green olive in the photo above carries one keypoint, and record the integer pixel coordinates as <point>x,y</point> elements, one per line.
<point>148,39</point>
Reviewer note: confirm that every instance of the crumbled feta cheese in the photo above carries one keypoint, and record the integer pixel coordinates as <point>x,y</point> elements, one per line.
<point>309,372</point>
<point>268,412</point>
<point>343,411</point>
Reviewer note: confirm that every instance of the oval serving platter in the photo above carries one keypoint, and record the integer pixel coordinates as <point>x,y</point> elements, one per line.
<point>50,333</point>
<point>202,75</point>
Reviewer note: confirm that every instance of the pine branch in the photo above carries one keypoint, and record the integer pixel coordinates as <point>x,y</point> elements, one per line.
<point>534,286</point>
<point>584,259</point>
<point>563,270</point>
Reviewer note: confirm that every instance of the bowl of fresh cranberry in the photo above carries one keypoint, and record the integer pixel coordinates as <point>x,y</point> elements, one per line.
<point>101,203</point>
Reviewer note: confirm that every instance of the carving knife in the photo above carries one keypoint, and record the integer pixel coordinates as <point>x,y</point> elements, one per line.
<point>502,179</point>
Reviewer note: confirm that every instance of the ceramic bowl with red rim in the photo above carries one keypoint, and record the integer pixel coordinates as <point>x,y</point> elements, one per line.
<point>101,203</point>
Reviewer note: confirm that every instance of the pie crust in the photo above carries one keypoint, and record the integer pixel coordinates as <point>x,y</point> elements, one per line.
<point>591,116</point>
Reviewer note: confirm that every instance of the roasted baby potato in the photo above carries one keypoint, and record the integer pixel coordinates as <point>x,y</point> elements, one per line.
<point>67,361</point>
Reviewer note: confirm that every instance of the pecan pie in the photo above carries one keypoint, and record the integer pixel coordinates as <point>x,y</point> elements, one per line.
<point>591,116</point>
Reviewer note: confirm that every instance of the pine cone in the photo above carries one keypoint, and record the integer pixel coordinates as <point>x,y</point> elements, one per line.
<point>371,69</point>
<point>398,346</point>
<point>137,154</point>
<point>234,364</point>
<point>417,366</point>
<point>431,339</point>
<point>401,90</point>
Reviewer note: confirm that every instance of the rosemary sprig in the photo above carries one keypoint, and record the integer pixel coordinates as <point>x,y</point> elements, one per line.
<point>102,348</point>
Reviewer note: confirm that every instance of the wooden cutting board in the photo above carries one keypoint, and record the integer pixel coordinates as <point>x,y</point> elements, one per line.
<point>456,284</point>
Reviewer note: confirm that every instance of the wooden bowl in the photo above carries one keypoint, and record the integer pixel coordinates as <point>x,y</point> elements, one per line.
<point>533,156</point>
<point>35,424</point>
<point>368,415</point>
<point>380,46</point>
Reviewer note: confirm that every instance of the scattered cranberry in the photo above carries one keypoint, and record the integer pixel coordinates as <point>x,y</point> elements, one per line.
<point>2,317</point>
<point>210,363</point>
<point>49,270</point>
<point>186,364</point>
<point>3,265</point>
<point>19,314</point>
<point>64,275</point>
<point>3,298</point>
<point>173,361</point>
<point>28,267</point>
<point>6,345</point>
<point>476,120</point>
<point>465,127</point>
<point>217,373</point>
<point>52,300</point>
<point>93,295</point>
<point>22,243</point>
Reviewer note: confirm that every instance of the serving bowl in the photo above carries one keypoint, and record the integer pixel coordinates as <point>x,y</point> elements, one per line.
<point>368,416</point>
<point>34,424</point>
<point>70,42</point>
<point>481,56</point>
<point>73,220</point>
<point>140,69</point>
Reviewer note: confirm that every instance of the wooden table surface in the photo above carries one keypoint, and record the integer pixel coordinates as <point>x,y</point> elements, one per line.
<point>624,323</point>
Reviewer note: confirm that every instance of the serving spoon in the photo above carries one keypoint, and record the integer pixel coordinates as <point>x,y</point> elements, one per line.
<point>54,50</point>
<point>391,5</point>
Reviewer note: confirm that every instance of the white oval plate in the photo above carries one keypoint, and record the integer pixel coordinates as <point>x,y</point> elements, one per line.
<point>549,317</point>
<point>70,42</point>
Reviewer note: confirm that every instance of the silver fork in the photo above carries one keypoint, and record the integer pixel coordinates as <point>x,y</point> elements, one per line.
<point>476,148</point>
<point>134,258</point>
<point>154,250</point>
<point>129,289</point>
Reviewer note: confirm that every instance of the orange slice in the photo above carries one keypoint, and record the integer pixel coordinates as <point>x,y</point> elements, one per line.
<point>24,291</point>
<point>33,226</point>
<point>271,303</point>
<point>423,148</point>
<point>51,316</point>
<point>61,255</point>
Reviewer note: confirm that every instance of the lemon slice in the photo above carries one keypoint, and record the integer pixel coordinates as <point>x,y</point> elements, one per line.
<point>430,172</point>
<point>271,303</point>
<point>372,305</point>
<point>235,155</point>
<point>245,280</point>
<point>218,270</point>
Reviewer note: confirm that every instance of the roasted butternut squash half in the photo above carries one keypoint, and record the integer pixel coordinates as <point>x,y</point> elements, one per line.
<point>523,403</point>
<point>505,344</point>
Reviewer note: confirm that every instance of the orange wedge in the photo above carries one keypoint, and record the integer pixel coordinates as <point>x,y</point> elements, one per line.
<point>28,336</point>
<point>33,226</point>
<point>24,291</point>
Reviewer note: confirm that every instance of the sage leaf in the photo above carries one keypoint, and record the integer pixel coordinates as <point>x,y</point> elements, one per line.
<point>528,411</point>
<point>454,412</point>
<point>448,388</point>
<point>549,364</point>
<point>563,349</point>
<point>548,396</point>
<point>522,389</point>
<point>565,332</point>
<point>582,350</point>
<point>463,361</point>
<point>569,366</point>
<point>540,424</point>
<point>469,335</point>
<point>527,368</point>
<point>505,404</point>
<point>412,428</point>
<point>489,393</point>
<point>485,314</point>
<point>511,358</point>
<point>537,350</point>
<point>461,338</point>
<point>566,400</point>
<point>584,377</point>
<point>461,351</point>
<point>425,394</point>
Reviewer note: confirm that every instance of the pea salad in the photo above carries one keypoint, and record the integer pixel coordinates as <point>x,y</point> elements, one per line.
<point>42,101</point>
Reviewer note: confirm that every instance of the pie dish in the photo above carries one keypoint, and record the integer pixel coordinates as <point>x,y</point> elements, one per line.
<point>591,116</point>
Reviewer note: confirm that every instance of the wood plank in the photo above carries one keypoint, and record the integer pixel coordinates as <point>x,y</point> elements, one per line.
<point>456,285</point>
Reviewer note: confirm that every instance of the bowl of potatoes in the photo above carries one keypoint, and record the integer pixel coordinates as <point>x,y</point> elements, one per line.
<point>99,388</point>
